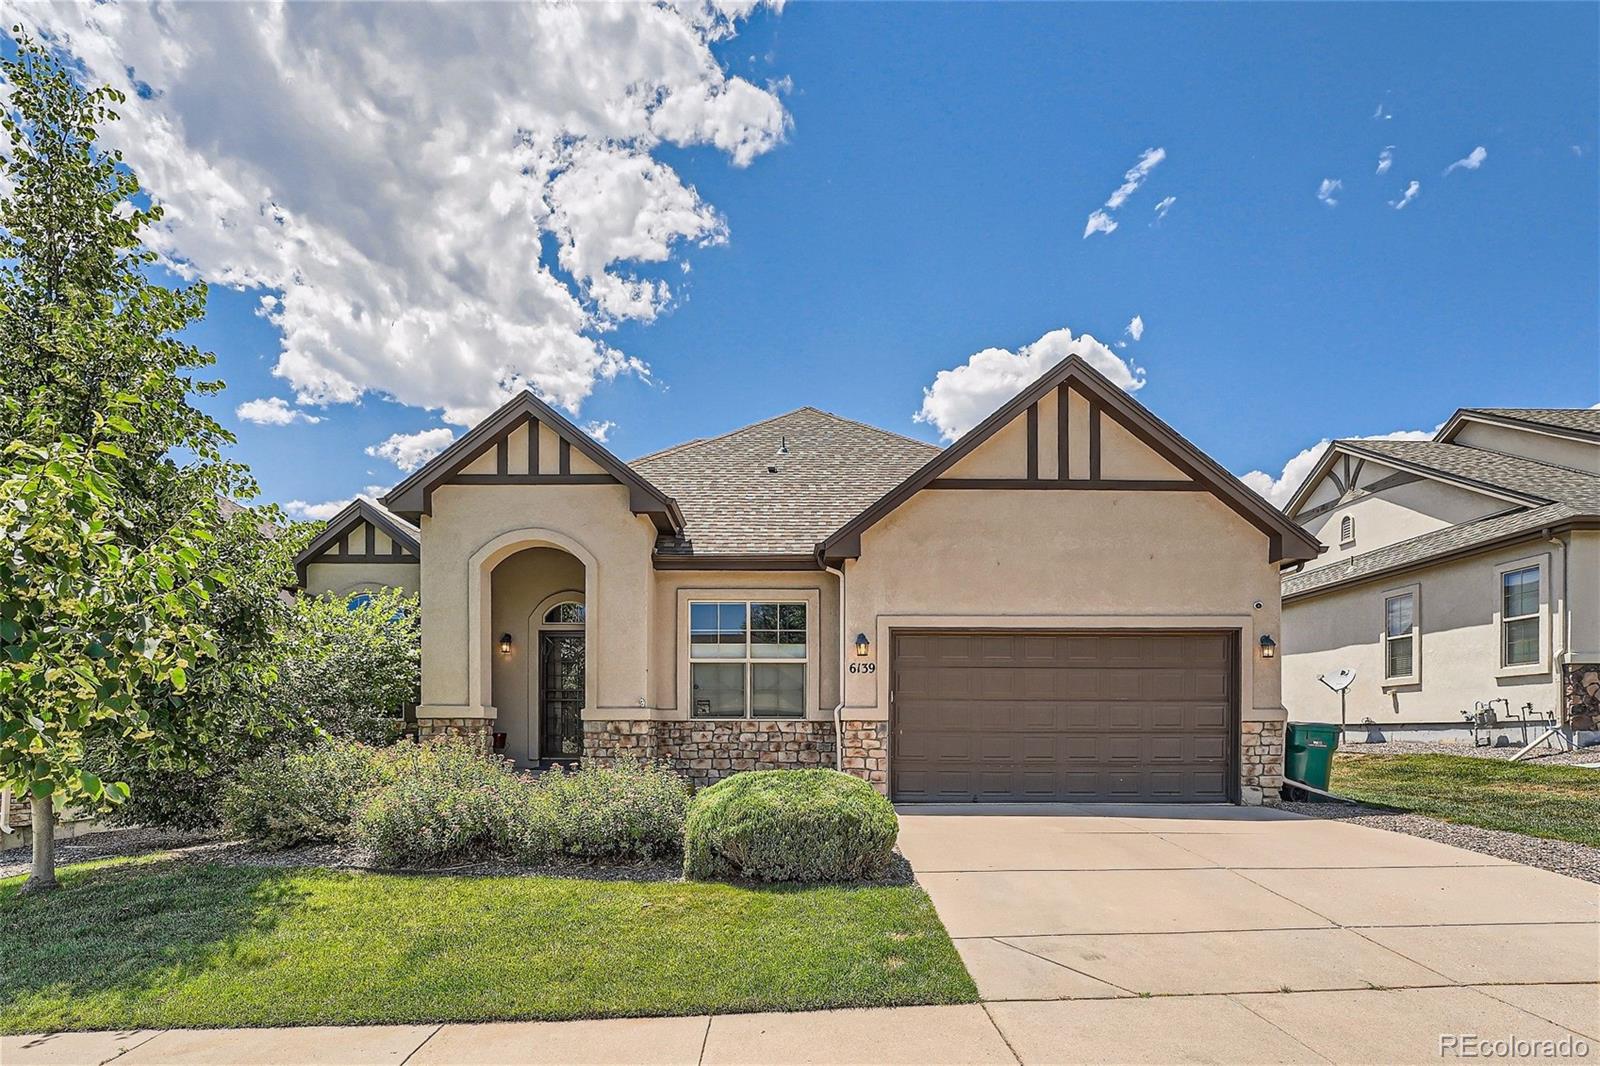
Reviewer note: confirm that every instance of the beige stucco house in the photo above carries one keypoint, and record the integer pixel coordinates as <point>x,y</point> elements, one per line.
<point>1460,570</point>
<point>1068,603</point>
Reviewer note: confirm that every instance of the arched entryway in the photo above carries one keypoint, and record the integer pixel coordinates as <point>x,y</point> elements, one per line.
<point>531,624</point>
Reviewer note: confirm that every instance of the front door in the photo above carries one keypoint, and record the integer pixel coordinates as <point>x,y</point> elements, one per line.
<point>560,694</point>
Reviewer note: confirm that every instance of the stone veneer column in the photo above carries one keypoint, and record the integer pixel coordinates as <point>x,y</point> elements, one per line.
<point>480,730</point>
<point>866,751</point>
<point>1260,763</point>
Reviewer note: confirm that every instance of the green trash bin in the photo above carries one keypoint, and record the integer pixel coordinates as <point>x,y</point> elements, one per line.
<point>1308,756</point>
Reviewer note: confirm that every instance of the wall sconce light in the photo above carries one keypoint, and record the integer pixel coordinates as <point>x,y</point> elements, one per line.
<point>863,646</point>
<point>1269,647</point>
<point>505,643</point>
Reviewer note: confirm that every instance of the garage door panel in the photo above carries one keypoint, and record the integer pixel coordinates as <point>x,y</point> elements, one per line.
<point>1066,716</point>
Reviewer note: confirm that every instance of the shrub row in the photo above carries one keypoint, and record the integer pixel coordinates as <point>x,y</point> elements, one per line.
<point>445,802</point>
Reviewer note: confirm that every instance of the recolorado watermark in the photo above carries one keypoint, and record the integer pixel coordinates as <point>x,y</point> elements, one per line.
<point>1476,1046</point>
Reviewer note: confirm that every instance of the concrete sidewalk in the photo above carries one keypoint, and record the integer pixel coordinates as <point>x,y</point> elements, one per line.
<point>1391,1026</point>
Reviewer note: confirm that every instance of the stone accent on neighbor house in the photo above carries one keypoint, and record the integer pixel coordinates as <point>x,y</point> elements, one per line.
<point>705,750</point>
<point>1260,762</point>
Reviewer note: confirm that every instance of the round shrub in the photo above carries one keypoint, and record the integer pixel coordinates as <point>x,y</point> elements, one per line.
<point>790,825</point>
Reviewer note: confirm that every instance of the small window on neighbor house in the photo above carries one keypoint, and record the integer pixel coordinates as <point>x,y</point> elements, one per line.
<point>1400,636</point>
<point>1519,616</point>
<point>564,614</point>
<point>747,660</point>
<point>1347,531</point>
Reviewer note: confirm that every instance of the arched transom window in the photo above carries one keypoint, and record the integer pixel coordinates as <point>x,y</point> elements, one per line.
<point>564,614</point>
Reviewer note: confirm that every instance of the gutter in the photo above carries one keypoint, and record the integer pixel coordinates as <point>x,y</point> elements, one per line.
<point>838,708</point>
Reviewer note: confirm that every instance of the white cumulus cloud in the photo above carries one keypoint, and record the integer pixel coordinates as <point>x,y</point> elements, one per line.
<point>962,397</point>
<point>1279,489</point>
<point>1406,197</point>
<point>409,451</point>
<point>1471,161</point>
<point>441,203</point>
<point>1100,221</point>
<point>1163,206</point>
<point>1328,191</point>
<point>271,411</point>
<point>599,430</point>
<point>1136,327</point>
<point>1386,159</point>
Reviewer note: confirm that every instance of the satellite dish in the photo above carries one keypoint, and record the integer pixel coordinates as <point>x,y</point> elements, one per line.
<point>1339,680</point>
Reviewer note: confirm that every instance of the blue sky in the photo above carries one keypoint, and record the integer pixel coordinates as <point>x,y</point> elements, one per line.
<point>928,197</point>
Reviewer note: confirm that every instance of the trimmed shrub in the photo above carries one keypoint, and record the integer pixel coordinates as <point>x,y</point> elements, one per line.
<point>304,797</point>
<point>633,810</point>
<point>790,825</point>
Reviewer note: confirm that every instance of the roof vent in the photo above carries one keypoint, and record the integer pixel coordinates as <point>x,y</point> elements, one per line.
<point>772,469</point>
<point>783,447</point>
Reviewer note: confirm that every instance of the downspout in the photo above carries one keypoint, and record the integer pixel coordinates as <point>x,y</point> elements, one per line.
<point>5,811</point>
<point>1558,713</point>
<point>838,708</point>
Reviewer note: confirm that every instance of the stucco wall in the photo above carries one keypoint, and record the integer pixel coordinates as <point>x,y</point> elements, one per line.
<point>1063,559</point>
<point>1396,513</point>
<point>473,528</point>
<point>1458,643</point>
<point>347,579</point>
<point>1539,446</point>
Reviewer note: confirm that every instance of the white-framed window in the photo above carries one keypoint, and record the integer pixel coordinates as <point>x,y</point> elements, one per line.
<point>1521,621</point>
<point>1347,531</point>
<point>748,658</point>
<point>1402,635</point>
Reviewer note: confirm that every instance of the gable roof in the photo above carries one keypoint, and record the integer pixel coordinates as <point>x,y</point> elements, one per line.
<point>1288,540</point>
<point>1582,423</point>
<point>1526,480</point>
<point>1541,497</point>
<point>357,511</point>
<point>413,497</point>
<point>780,485</point>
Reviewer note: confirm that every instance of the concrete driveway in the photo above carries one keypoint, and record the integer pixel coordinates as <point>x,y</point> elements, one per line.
<point>1218,934</point>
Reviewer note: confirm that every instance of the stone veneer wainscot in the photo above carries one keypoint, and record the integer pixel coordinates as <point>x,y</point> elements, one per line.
<point>707,750</point>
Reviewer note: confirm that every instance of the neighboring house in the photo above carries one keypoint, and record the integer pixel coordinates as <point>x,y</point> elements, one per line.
<point>361,549</point>
<point>1459,570</point>
<point>1069,603</point>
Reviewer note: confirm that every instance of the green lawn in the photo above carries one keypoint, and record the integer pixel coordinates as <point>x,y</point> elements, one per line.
<point>1557,802</point>
<point>160,942</point>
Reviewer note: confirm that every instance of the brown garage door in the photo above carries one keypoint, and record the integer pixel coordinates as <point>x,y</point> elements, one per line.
<point>1063,716</point>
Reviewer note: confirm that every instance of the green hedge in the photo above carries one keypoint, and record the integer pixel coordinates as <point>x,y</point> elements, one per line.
<point>790,825</point>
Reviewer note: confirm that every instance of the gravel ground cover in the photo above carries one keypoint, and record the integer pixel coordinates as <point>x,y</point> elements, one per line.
<point>1558,856</point>
<point>1544,755</point>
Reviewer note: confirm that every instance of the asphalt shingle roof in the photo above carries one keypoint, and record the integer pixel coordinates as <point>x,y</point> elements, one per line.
<point>1525,477</point>
<point>733,503</point>
<point>1553,494</point>
<point>1583,420</point>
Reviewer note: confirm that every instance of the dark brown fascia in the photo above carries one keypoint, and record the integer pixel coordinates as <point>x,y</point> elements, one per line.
<point>1473,414</point>
<point>414,496</point>
<point>1287,540</point>
<point>338,528</point>
<point>737,562</point>
<point>1536,533</point>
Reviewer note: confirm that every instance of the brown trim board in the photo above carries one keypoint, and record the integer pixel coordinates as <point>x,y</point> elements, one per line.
<point>1294,543</point>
